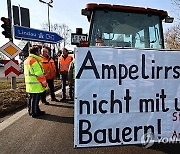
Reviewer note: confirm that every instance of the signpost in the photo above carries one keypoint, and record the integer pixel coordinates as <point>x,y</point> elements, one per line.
<point>76,38</point>
<point>13,79</point>
<point>36,35</point>
<point>10,50</point>
<point>11,68</point>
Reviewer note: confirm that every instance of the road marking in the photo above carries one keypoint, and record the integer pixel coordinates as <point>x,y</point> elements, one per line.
<point>12,119</point>
<point>17,116</point>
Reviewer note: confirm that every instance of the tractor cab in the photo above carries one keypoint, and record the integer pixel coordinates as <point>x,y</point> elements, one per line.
<point>125,26</point>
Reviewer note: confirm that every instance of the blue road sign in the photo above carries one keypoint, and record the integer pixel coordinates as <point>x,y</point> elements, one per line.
<point>36,35</point>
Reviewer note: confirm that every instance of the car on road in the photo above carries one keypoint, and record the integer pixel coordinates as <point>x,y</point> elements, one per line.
<point>1,65</point>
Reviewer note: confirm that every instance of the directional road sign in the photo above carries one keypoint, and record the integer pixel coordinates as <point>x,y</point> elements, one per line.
<point>76,38</point>
<point>10,50</point>
<point>36,35</point>
<point>11,68</point>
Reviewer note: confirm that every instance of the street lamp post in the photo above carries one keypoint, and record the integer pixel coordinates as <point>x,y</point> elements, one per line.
<point>65,37</point>
<point>49,5</point>
<point>49,20</point>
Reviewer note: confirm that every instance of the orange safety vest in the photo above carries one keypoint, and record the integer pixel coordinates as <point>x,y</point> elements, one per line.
<point>49,68</point>
<point>64,63</point>
<point>100,44</point>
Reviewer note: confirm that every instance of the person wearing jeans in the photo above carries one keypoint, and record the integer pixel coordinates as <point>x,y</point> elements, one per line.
<point>35,81</point>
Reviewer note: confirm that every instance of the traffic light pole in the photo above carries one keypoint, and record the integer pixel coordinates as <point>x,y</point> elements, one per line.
<point>10,15</point>
<point>13,79</point>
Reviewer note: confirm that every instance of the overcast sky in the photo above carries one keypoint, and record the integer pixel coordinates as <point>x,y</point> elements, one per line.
<point>69,11</point>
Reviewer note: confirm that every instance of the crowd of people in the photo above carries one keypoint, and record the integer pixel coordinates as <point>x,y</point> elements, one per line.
<point>40,71</point>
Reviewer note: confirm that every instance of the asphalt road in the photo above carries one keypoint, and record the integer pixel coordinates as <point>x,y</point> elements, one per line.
<point>53,133</point>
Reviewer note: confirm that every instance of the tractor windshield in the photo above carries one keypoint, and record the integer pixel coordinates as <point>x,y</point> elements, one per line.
<point>122,29</point>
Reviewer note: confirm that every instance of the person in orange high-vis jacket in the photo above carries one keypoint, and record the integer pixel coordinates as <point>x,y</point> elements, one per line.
<point>49,67</point>
<point>35,81</point>
<point>99,41</point>
<point>63,65</point>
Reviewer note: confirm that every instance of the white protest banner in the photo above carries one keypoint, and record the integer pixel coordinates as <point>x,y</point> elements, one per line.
<point>121,95</point>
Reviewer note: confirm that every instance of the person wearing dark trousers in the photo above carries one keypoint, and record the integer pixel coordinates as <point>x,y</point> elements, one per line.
<point>33,103</point>
<point>64,79</point>
<point>50,83</point>
<point>63,65</point>
<point>71,79</point>
<point>35,81</point>
<point>49,67</point>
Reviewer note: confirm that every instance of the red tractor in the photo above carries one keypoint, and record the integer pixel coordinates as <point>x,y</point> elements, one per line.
<point>124,26</point>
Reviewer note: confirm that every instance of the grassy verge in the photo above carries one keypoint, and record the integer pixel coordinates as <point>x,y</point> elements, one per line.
<point>12,99</point>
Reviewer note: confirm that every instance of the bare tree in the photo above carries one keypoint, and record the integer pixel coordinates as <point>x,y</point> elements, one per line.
<point>176,8</point>
<point>172,37</point>
<point>63,30</point>
<point>177,3</point>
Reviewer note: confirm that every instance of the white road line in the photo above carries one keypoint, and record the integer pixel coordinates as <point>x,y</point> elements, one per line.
<point>12,119</point>
<point>16,116</point>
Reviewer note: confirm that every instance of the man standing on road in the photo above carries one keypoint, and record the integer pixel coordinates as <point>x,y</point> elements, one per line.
<point>71,79</point>
<point>35,81</point>
<point>49,67</point>
<point>63,63</point>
